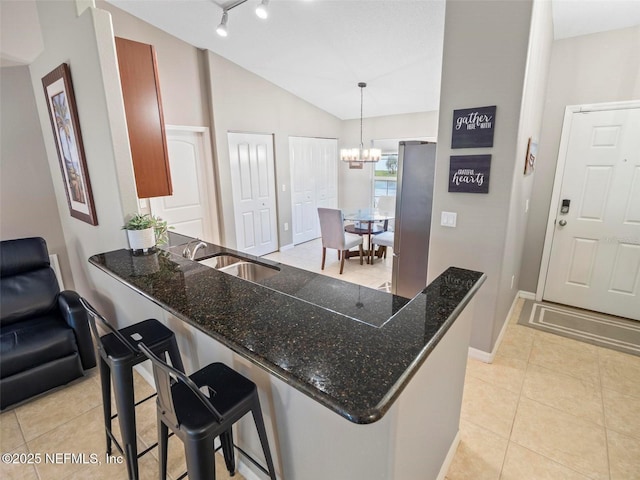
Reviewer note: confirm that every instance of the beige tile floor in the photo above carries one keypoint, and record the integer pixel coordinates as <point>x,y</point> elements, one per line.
<point>547,408</point>
<point>69,420</point>
<point>308,256</point>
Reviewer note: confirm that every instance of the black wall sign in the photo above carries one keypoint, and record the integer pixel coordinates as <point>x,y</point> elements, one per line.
<point>473,127</point>
<point>469,173</point>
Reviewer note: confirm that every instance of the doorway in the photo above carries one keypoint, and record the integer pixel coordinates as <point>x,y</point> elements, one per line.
<point>254,192</point>
<point>592,248</point>
<point>314,183</point>
<point>191,208</point>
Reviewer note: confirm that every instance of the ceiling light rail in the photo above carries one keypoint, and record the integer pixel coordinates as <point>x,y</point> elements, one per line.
<point>262,11</point>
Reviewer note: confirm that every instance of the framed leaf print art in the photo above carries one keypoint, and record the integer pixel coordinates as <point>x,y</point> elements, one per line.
<point>63,114</point>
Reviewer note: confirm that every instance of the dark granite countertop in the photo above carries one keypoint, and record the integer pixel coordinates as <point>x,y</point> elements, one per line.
<point>351,348</point>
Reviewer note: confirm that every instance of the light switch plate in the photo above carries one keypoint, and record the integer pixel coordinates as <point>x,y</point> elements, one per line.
<point>448,219</point>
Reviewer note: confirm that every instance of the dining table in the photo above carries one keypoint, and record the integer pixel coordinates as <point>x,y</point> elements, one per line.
<point>364,224</point>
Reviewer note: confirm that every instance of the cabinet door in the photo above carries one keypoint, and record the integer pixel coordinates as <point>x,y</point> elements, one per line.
<point>145,120</point>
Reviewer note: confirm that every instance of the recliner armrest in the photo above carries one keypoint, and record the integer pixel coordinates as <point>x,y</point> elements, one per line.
<point>76,317</point>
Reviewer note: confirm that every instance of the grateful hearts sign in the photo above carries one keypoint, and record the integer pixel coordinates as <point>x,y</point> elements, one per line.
<point>469,173</point>
<point>473,127</point>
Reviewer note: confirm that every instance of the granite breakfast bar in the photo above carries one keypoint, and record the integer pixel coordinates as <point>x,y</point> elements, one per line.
<point>355,383</point>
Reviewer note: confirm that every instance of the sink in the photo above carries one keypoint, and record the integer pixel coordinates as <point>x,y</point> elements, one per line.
<point>240,267</point>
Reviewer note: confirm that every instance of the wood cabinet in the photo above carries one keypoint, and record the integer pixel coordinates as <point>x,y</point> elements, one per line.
<point>145,120</point>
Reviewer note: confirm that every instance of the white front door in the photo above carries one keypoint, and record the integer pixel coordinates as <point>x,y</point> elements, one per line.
<point>254,192</point>
<point>595,254</point>
<point>189,209</point>
<point>314,183</point>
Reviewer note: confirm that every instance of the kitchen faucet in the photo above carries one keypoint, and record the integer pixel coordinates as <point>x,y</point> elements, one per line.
<point>191,254</point>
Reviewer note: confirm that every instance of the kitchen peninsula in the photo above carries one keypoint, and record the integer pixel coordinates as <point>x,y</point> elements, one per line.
<point>392,367</point>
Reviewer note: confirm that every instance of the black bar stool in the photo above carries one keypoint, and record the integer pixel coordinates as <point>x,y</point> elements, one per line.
<point>197,418</point>
<point>118,355</point>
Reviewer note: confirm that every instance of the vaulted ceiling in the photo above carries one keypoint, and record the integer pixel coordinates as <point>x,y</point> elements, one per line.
<point>320,49</point>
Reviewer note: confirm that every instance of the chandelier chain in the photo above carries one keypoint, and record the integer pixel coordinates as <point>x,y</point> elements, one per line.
<point>361,102</point>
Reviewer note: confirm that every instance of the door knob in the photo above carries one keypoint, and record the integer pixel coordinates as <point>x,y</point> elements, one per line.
<point>562,223</point>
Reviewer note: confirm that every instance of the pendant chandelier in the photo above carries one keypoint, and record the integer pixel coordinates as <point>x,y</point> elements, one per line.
<point>360,154</point>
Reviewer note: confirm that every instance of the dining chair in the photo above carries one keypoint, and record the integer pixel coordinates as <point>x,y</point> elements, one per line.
<point>383,240</point>
<point>334,236</point>
<point>387,205</point>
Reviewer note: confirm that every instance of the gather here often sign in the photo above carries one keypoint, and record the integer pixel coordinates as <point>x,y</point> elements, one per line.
<point>473,127</point>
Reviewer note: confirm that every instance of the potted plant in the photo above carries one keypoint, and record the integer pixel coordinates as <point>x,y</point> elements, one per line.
<point>144,231</point>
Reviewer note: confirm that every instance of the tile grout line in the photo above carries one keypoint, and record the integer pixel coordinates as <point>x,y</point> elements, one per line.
<point>604,415</point>
<point>542,454</point>
<point>515,414</point>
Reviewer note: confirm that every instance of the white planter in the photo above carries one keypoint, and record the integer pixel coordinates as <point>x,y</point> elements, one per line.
<point>141,239</point>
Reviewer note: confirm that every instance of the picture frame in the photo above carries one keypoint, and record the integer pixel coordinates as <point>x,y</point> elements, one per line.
<point>473,127</point>
<point>530,159</point>
<point>63,113</point>
<point>469,173</point>
<point>356,165</point>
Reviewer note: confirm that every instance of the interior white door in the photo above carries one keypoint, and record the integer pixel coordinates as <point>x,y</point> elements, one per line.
<point>314,183</point>
<point>304,223</point>
<point>188,210</point>
<point>595,254</point>
<point>254,192</point>
<point>327,174</point>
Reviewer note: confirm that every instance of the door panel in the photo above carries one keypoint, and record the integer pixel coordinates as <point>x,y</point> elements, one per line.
<point>314,183</point>
<point>187,210</point>
<point>248,237</point>
<point>632,214</point>
<point>626,269</point>
<point>254,194</point>
<point>582,261</point>
<point>595,254</point>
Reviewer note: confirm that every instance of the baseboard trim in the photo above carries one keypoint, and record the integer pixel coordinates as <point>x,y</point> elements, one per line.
<point>527,295</point>
<point>146,374</point>
<point>481,355</point>
<point>488,357</point>
<point>244,470</point>
<point>449,458</point>
<point>284,248</point>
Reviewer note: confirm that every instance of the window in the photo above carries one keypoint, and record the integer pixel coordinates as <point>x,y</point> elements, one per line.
<point>385,178</point>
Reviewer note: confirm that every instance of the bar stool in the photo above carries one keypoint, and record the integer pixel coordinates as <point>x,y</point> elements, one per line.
<point>118,356</point>
<point>197,418</point>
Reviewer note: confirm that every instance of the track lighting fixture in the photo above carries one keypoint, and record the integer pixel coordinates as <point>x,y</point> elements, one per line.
<point>261,11</point>
<point>222,28</point>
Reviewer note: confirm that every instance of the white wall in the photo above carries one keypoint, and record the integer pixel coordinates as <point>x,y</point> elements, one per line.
<point>16,18</point>
<point>245,102</point>
<point>182,82</point>
<point>485,53</point>
<point>355,185</point>
<point>26,188</point>
<point>86,43</point>
<point>603,67</point>
<point>533,97</point>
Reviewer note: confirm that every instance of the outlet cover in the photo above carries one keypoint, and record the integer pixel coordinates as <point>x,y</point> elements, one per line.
<point>448,219</point>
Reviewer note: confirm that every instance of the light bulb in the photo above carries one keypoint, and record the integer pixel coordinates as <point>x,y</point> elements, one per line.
<point>222,28</point>
<point>261,9</point>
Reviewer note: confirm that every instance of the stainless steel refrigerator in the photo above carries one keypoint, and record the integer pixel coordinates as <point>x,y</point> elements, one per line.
<point>414,200</point>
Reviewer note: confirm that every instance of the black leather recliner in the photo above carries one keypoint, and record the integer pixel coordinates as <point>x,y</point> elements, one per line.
<point>45,340</point>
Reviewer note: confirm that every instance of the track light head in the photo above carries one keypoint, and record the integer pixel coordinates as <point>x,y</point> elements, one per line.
<point>261,9</point>
<point>222,28</point>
